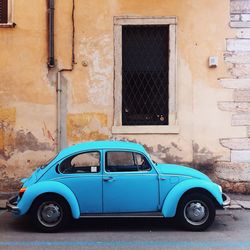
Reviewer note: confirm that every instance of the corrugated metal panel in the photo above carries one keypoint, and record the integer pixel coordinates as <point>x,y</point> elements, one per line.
<point>3,11</point>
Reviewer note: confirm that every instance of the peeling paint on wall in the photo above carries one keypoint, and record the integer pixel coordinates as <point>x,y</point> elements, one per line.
<point>20,165</point>
<point>7,122</point>
<point>87,126</point>
<point>20,151</point>
<point>25,141</point>
<point>12,140</point>
<point>98,54</point>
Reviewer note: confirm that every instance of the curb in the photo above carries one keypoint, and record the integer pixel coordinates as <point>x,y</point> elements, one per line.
<point>4,197</point>
<point>3,204</point>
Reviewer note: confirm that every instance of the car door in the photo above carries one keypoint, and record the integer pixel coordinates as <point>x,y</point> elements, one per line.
<point>130,183</point>
<point>82,174</point>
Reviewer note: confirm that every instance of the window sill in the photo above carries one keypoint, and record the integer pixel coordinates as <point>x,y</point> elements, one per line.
<point>7,25</point>
<point>172,129</point>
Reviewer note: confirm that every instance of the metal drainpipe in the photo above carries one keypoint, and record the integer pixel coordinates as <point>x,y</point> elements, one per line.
<point>51,9</point>
<point>59,85</point>
<point>59,97</point>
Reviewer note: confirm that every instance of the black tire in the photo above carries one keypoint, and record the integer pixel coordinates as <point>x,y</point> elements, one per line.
<point>196,211</point>
<point>50,213</point>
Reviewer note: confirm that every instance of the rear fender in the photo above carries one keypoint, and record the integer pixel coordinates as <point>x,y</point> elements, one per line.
<point>173,197</point>
<point>39,188</point>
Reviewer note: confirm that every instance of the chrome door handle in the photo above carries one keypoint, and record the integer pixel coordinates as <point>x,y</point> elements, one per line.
<point>108,179</point>
<point>162,178</point>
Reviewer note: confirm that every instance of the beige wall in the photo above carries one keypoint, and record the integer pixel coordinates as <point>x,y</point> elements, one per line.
<point>28,90</point>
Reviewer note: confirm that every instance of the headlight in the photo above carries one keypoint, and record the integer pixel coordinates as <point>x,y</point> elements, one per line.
<point>220,188</point>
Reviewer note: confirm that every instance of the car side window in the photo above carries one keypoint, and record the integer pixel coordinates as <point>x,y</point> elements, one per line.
<point>88,162</point>
<point>126,162</point>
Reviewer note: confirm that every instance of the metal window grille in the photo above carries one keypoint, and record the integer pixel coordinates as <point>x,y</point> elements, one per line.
<point>145,54</point>
<point>3,11</point>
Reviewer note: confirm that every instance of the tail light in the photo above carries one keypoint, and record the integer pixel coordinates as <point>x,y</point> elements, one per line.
<point>21,192</point>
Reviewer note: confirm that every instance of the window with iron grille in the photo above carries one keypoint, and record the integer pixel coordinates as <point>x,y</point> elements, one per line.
<point>6,14</point>
<point>3,11</point>
<point>145,75</point>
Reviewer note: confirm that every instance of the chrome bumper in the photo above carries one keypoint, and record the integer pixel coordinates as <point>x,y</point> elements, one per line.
<point>11,205</point>
<point>226,200</point>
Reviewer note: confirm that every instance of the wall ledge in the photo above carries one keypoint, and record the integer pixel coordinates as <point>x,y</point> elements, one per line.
<point>146,129</point>
<point>7,25</point>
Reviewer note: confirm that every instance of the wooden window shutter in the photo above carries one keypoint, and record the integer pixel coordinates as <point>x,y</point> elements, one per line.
<point>3,11</point>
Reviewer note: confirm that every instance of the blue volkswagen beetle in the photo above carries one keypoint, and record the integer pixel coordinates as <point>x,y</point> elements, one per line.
<point>113,178</point>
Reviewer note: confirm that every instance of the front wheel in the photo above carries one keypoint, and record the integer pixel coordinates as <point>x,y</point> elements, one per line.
<point>50,213</point>
<point>196,212</point>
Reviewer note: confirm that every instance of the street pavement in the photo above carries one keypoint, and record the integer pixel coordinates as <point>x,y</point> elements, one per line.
<point>231,230</point>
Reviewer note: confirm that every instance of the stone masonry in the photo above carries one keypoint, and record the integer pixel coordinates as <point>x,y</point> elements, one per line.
<point>235,175</point>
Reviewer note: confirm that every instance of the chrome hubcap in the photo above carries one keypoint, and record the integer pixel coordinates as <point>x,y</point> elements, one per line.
<point>196,212</point>
<point>49,214</point>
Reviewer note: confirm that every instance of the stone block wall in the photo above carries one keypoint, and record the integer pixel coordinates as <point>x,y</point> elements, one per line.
<point>235,175</point>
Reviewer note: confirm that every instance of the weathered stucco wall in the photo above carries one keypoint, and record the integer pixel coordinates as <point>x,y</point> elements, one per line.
<point>27,96</point>
<point>28,89</point>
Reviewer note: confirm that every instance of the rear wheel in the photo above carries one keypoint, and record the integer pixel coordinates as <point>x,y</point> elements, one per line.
<point>50,213</point>
<point>196,212</point>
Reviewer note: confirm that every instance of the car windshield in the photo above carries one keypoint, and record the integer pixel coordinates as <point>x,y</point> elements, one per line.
<point>47,162</point>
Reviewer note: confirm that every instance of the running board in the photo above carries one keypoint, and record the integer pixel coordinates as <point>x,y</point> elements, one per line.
<point>123,215</point>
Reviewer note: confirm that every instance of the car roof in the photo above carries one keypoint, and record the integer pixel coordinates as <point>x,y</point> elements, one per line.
<point>98,145</point>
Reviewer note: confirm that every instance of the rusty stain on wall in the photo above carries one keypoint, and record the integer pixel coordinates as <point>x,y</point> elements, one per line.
<point>7,122</point>
<point>48,134</point>
<point>86,126</point>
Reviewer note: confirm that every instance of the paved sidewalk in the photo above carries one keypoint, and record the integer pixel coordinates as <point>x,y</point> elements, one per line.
<point>3,204</point>
<point>239,201</point>
<point>4,196</point>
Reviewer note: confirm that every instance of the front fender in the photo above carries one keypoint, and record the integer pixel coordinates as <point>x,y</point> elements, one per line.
<point>172,199</point>
<point>39,188</point>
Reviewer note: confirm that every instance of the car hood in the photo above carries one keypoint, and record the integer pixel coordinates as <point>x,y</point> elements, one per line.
<point>173,169</point>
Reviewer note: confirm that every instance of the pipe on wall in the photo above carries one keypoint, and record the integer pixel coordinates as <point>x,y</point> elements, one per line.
<point>59,89</point>
<point>51,9</point>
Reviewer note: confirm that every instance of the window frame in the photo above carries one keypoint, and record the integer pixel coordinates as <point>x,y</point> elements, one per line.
<point>172,127</point>
<point>126,172</point>
<point>76,154</point>
<point>10,23</point>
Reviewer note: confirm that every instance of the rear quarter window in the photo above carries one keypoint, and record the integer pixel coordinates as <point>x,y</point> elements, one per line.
<point>88,162</point>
